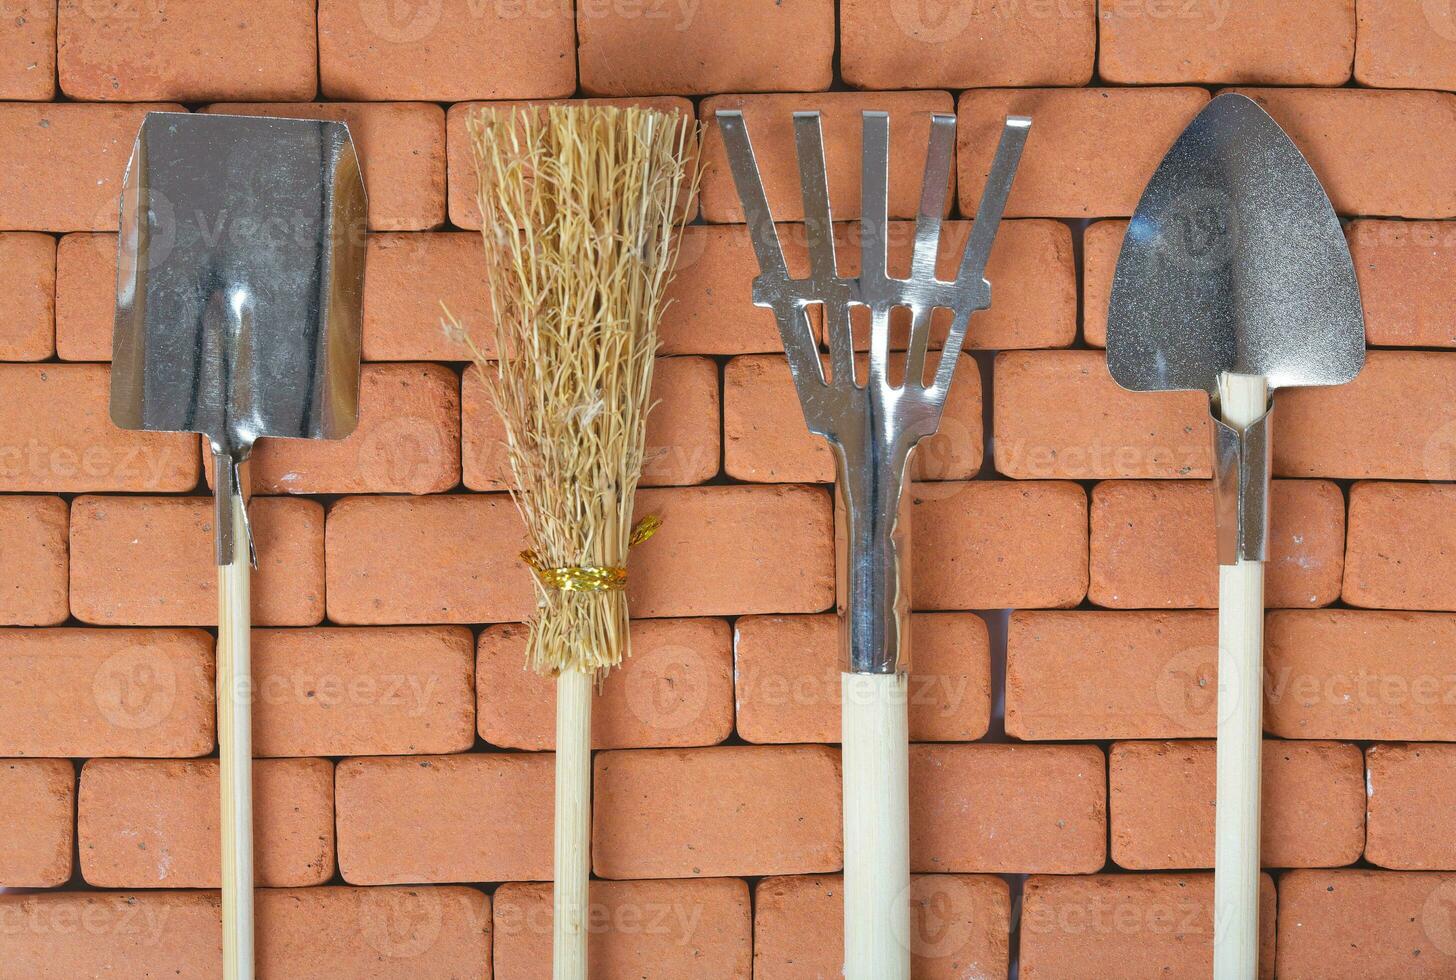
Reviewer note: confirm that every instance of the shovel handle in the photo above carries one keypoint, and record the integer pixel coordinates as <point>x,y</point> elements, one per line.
<point>1243,400</point>
<point>235,753</point>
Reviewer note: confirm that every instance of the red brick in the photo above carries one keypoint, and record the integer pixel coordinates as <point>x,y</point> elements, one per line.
<point>421,818</point>
<point>903,44</point>
<point>959,927</point>
<point>381,933</point>
<point>1408,298</point>
<point>1163,804</point>
<point>464,211</point>
<point>149,561</point>
<point>86,692</point>
<point>59,436</point>
<point>1090,152</point>
<point>770,125</point>
<point>1411,788</point>
<point>28,51</point>
<point>407,441</point>
<point>767,440</point>
<point>34,561</point>
<point>435,559</point>
<point>341,691</point>
<point>445,52</point>
<point>1406,45</point>
<point>27,288</point>
<point>1401,553</point>
<point>1038,809</point>
<point>150,823</point>
<point>1154,544</point>
<point>1260,42</point>
<point>1376,152</point>
<point>38,808</point>
<point>732,810</point>
<point>709,301</point>
<point>676,689</point>
<point>1354,924</point>
<point>788,687</point>
<point>683,440</point>
<point>733,550</point>
<point>1101,243</point>
<point>1349,430</point>
<point>705,47</point>
<point>1060,415</point>
<point>61,163</point>
<point>1345,673</point>
<point>1105,675</point>
<point>1037,252</point>
<point>401,147</point>
<point>1158,925</point>
<point>634,928</point>
<point>990,545</point>
<point>218,49</point>
<point>85,296</point>
<point>410,276</point>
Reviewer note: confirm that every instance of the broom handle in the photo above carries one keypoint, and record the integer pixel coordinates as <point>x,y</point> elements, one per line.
<point>876,760</point>
<point>235,752</point>
<point>1243,400</point>
<point>573,824</point>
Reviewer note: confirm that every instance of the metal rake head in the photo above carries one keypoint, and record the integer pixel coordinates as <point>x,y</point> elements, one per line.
<point>832,406</point>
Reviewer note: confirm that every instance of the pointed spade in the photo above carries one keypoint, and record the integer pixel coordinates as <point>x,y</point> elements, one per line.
<point>1234,278</point>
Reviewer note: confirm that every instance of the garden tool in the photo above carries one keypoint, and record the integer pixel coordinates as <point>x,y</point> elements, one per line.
<point>872,426</point>
<point>1235,279</point>
<point>238,308</point>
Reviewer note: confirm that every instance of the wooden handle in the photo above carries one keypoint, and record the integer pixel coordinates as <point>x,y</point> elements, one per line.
<point>876,761</point>
<point>573,825</point>
<point>235,754</point>
<point>1243,399</point>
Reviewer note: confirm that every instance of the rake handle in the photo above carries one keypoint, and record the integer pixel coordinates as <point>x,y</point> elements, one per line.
<point>235,752</point>
<point>573,825</point>
<point>1244,399</point>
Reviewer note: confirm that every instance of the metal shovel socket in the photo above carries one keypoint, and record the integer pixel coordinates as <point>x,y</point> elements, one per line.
<point>239,287</point>
<point>1235,263</point>
<point>872,427</point>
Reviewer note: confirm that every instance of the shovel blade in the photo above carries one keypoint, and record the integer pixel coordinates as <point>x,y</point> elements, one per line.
<point>1234,261</point>
<point>239,280</point>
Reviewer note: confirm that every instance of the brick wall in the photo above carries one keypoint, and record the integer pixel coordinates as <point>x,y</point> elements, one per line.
<point>1062,808</point>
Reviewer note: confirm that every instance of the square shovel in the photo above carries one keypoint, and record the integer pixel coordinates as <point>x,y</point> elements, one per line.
<point>239,286</point>
<point>1235,279</point>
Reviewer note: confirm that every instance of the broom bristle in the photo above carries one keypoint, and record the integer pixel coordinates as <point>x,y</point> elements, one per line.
<point>579,206</point>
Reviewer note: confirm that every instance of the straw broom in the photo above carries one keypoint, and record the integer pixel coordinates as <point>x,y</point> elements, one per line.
<point>579,206</point>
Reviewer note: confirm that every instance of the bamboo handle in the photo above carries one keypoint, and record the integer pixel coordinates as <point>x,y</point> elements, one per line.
<point>876,761</point>
<point>235,753</point>
<point>1244,399</point>
<point>573,824</point>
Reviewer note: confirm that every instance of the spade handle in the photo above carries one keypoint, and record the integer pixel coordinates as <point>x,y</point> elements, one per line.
<point>235,751</point>
<point>1243,402</point>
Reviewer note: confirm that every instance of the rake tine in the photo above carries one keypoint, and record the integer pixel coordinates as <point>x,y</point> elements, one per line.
<point>932,196</point>
<point>874,230</point>
<point>819,233</point>
<point>983,233</point>
<point>741,161</point>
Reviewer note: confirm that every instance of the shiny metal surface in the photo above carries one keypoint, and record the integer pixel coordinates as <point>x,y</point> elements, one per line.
<point>874,426</point>
<point>239,286</point>
<point>1235,262</point>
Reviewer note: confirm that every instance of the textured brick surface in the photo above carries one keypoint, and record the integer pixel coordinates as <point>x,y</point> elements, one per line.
<point>85,296</point>
<point>34,561</point>
<point>1407,300</point>
<point>145,823</point>
<point>28,51</point>
<point>38,804</point>
<point>28,290</point>
<point>958,926</point>
<point>1162,812</point>
<point>206,49</point>
<point>1128,926</point>
<point>642,928</point>
<point>1154,544</point>
<point>1400,551</point>
<point>787,678</point>
<point>409,277</point>
<point>1411,789</point>
<point>676,689</point>
<point>1405,45</point>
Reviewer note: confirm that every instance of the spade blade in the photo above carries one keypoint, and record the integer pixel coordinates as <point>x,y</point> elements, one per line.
<point>1234,261</point>
<point>239,285</point>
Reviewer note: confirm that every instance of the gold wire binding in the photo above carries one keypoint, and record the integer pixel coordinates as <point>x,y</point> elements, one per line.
<point>591,578</point>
